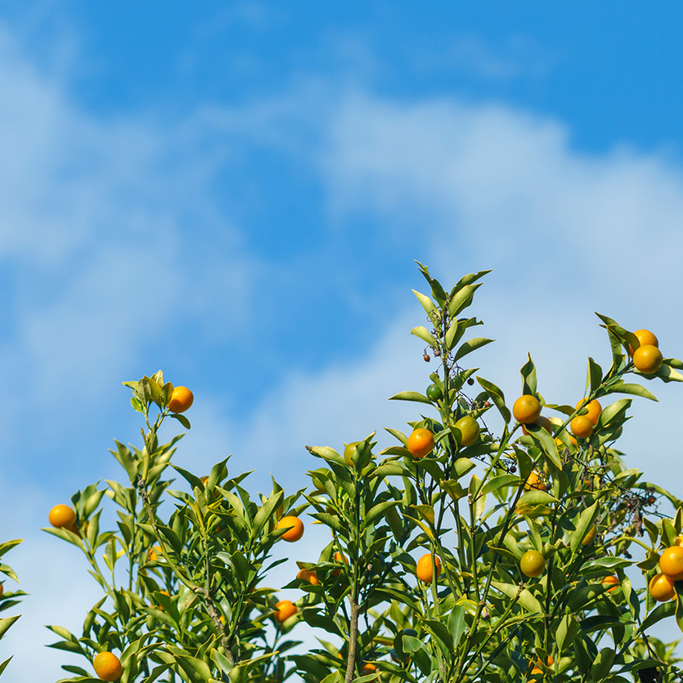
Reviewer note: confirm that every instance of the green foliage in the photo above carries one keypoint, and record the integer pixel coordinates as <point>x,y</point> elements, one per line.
<point>8,599</point>
<point>192,605</point>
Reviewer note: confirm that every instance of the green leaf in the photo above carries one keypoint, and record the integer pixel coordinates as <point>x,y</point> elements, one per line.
<point>500,481</point>
<point>594,378</point>
<point>411,396</point>
<point>456,624</point>
<point>567,631</point>
<point>6,623</point>
<point>426,303</point>
<point>660,612</point>
<point>378,510</point>
<point>668,374</point>
<point>197,670</point>
<point>634,389</point>
<point>454,333</point>
<point>462,299</point>
<point>526,599</point>
<point>602,664</point>
<point>182,419</point>
<point>536,497</point>
<point>422,333</point>
<point>528,373</point>
<point>471,345</point>
<point>497,397</point>
<point>265,512</point>
<point>585,521</point>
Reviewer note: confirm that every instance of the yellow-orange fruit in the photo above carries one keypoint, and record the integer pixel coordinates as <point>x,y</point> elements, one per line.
<point>181,399</point>
<point>590,536</point>
<point>308,575</point>
<point>648,359</point>
<point>284,610</point>
<point>532,563</point>
<point>339,558</point>
<point>594,410</point>
<point>107,666</point>
<point>295,532</point>
<point>662,588</point>
<point>348,451</point>
<point>536,671</point>
<point>424,568</point>
<point>420,443</point>
<point>62,517</point>
<point>611,580</point>
<point>645,338</point>
<point>671,562</point>
<point>582,427</point>
<point>367,669</point>
<point>535,482</point>
<point>467,430</point>
<point>526,409</point>
<point>542,421</point>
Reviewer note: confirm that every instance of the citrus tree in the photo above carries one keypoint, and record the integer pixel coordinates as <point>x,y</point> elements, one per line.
<point>492,541</point>
<point>8,599</point>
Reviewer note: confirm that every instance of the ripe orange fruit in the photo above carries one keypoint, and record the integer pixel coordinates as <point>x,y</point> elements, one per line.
<point>295,532</point>
<point>338,557</point>
<point>671,562</point>
<point>107,666</point>
<point>532,563</point>
<point>590,536</point>
<point>308,575</point>
<point>151,553</point>
<point>611,580</point>
<point>348,451</point>
<point>284,610</point>
<point>526,409</point>
<point>424,568</point>
<point>467,430</point>
<point>661,587</point>
<point>679,540</point>
<point>581,426</point>
<point>534,482</point>
<point>544,422</point>
<point>420,442</point>
<point>181,400</point>
<point>646,338</point>
<point>594,410</point>
<point>648,359</point>
<point>537,670</point>
<point>2,588</point>
<point>62,517</point>
<point>367,669</point>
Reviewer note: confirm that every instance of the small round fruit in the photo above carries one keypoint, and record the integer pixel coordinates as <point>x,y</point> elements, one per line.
<point>107,666</point>
<point>294,526</point>
<point>526,409</point>
<point>467,429</point>
<point>535,482</point>
<point>648,359</point>
<point>152,554</point>
<point>338,558</point>
<point>367,669</point>
<point>348,451</point>
<point>671,562</point>
<point>541,422</point>
<point>590,536</point>
<point>284,610</point>
<point>645,338</point>
<point>537,671</point>
<point>594,410</point>
<point>308,575</point>
<point>532,563</point>
<point>661,587</point>
<point>420,443</point>
<point>611,580</point>
<point>424,569</point>
<point>582,427</point>
<point>679,541</point>
<point>434,392</point>
<point>181,400</point>
<point>62,517</point>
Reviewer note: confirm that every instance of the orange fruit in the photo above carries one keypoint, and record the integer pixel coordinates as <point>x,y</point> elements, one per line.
<point>679,540</point>
<point>536,671</point>
<point>284,610</point>
<point>367,669</point>
<point>338,557</point>
<point>296,530</point>
<point>181,400</point>
<point>420,442</point>
<point>541,422</point>
<point>671,563</point>
<point>590,536</point>
<point>611,580</point>
<point>62,517</point>
<point>535,482</point>
<point>581,426</point>
<point>661,587</point>
<point>424,569</point>
<point>2,588</point>
<point>648,359</point>
<point>308,575</point>
<point>107,666</point>
<point>645,338</point>
<point>348,451</point>
<point>594,410</point>
<point>151,554</point>
<point>467,429</point>
<point>532,563</point>
<point>526,409</point>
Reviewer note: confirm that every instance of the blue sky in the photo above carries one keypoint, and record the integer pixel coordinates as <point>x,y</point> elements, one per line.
<point>236,193</point>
